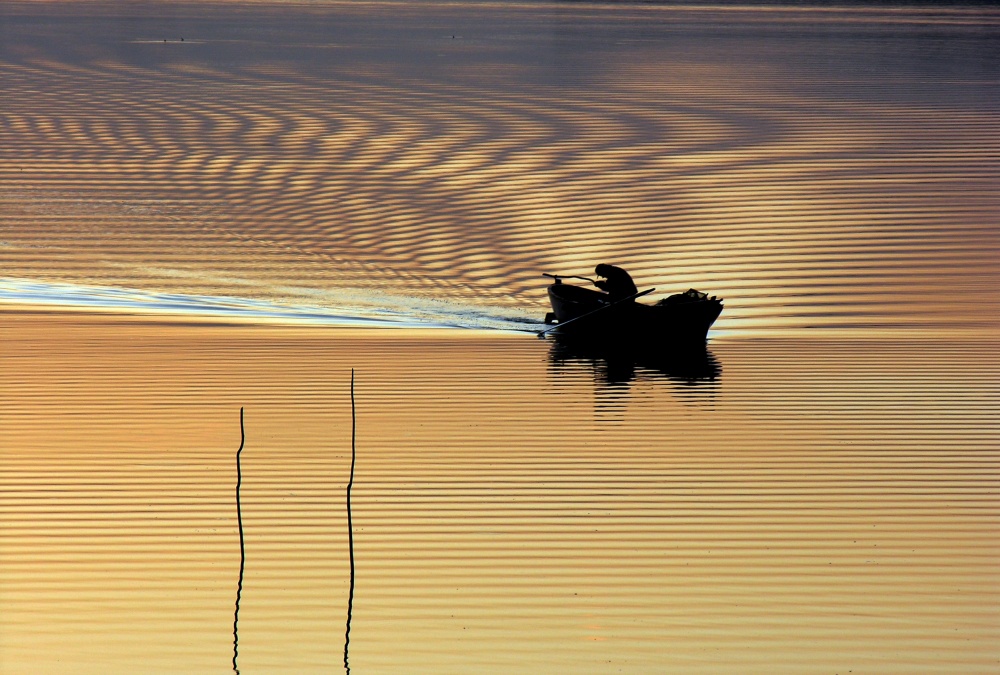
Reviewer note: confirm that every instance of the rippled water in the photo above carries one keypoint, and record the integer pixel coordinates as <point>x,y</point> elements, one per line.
<point>231,220</point>
<point>800,506</point>
<point>819,168</point>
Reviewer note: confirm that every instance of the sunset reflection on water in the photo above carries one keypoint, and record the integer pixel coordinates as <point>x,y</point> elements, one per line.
<point>817,504</point>
<point>819,170</point>
<point>191,227</point>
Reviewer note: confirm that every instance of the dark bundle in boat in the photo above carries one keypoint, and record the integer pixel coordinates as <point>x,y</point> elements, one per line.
<point>681,320</point>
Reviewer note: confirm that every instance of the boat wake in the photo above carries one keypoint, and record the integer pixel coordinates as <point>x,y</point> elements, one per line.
<point>374,311</point>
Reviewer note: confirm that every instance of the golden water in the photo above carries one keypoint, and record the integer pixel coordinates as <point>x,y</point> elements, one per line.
<point>818,495</point>
<point>831,168</point>
<point>817,507</point>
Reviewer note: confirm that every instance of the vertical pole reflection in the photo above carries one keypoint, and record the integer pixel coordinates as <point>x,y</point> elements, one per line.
<point>350,531</point>
<point>239,520</point>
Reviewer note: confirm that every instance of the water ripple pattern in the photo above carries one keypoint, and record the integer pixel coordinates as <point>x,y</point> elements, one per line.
<point>822,170</point>
<point>824,506</point>
<point>29,295</point>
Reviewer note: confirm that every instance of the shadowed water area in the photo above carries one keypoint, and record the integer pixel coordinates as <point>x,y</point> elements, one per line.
<point>215,206</point>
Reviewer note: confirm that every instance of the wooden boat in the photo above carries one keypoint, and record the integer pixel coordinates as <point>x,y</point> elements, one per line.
<point>681,319</point>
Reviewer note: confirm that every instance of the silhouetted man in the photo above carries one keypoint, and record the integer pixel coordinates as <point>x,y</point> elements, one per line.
<point>616,282</point>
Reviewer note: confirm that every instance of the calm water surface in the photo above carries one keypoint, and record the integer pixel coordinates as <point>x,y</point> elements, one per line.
<point>188,227</point>
<point>818,506</point>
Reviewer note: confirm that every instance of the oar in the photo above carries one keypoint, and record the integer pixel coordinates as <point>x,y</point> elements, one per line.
<point>599,309</point>
<point>558,277</point>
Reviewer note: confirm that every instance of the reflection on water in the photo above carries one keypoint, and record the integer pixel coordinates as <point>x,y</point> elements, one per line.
<point>695,366</point>
<point>839,173</point>
<point>829,504</point>
<point>834,507</point>
<point>692,373</point>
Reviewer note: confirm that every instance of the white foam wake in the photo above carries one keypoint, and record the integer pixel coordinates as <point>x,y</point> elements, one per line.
<point>130,300</point>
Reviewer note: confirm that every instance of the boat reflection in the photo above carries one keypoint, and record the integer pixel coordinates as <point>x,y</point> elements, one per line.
<point>617,366</point>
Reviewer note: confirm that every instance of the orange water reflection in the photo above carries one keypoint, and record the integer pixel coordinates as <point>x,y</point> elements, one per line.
<point>838,176</point>
<point>826,504</point>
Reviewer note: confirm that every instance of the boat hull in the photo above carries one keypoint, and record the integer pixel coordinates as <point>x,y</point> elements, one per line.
<point>585,314</point>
